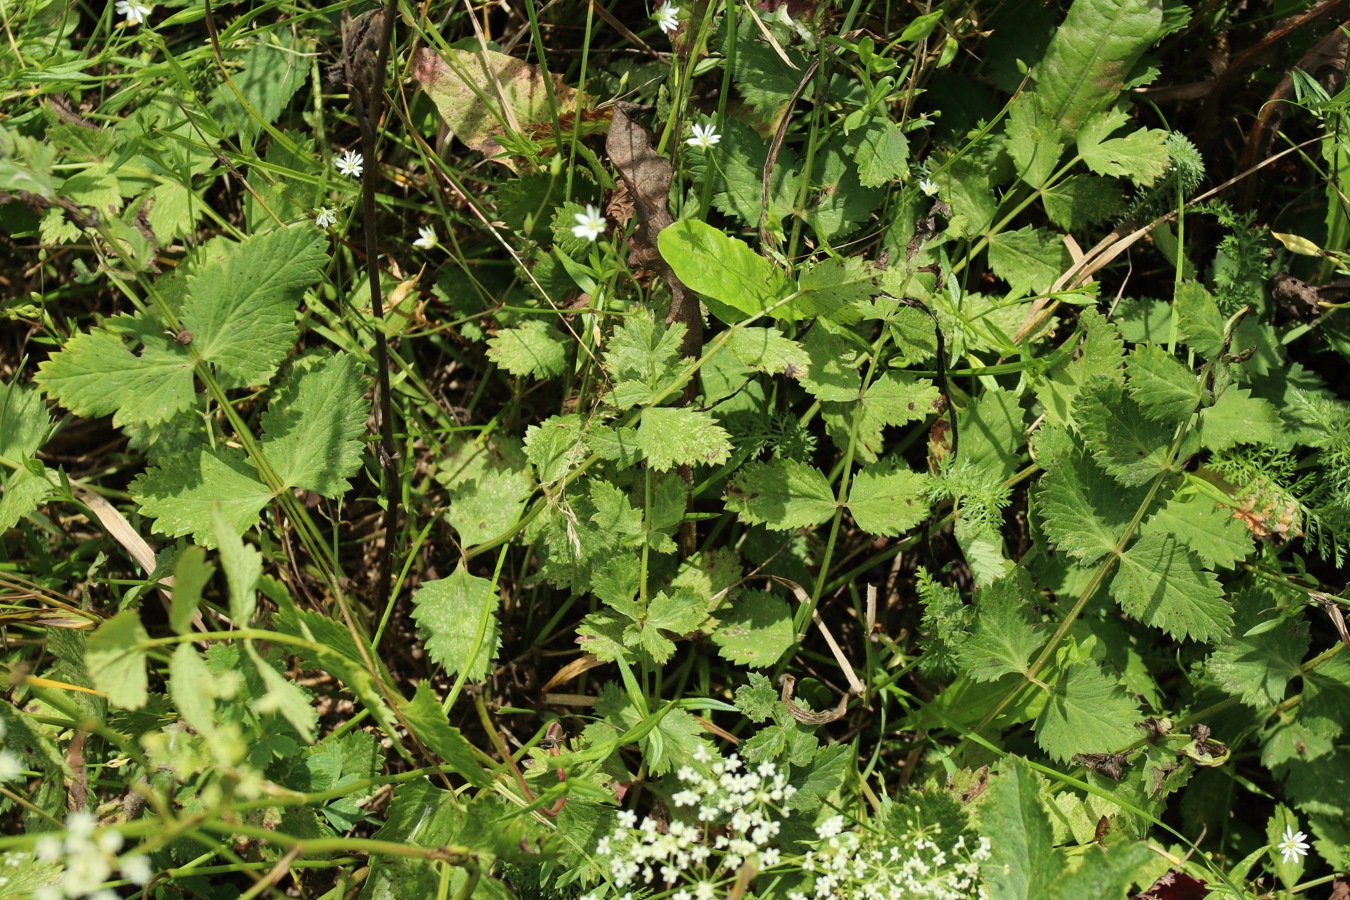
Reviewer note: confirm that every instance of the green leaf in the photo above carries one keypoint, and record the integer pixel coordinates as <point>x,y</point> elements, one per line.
<point>243,569</point>
<point>534,348</point>
<point>820,778</point>
<point>681,436</point>
<point>241,306</point>
<point>1022,863</point>
<point>764,78</point>
<point>839,202</point>
<point>1090,56</point>
<point>1164,388</point>
<point>485,508</point>
<point>285,697</point>
<point>1259,667</point>
<point>838,289</point>
<point>190,687</point>
<point>992,432</point>
<point>1080,201</point>
<point>273,69</point>
<point>680,612</point>
<point>1083,512</point>
<point>765,350</point>
<point>115,656</point>
<point>1239,418</point>
<point>1125,443</point>
<point>738,176</point>
<point>24,422</point>
<point>1162,584</point>
<point>190,574</point>
<point>880,151</point>
<point>1140,156</point>
<point>887,499</point>
<point>427,720</point>
<point>448,613</point>
<point>1029,259</point>
<point>96,374</point>
<point>1033,141</point>
<point>1201,322</point>
<point>1086,712</point>
<point>644,360</point>
<point>555,447</point>
<point>1211,531</point>
<point>737,281</point>
<point>1100,352</point>
<point>892,399</point>
<point>783,495</point>
<point>832,374</point>
<point>313,427</point>
<point>21,492</point>
<point>1002,640</point>
<point>1326,697</point>
<point>1103,873</point>
<point>756,631</point>
<point>179,493</point>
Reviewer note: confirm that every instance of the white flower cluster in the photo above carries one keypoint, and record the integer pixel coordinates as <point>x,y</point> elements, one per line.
<point>88,857</point>
<point>847,867</point>
<point>739,812</point>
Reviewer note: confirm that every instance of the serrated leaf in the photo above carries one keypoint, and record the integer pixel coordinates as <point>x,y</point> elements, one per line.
<point>1140,156</point>
<point>179,493</point>
<point>1162,584</point>
<point>783,495</point>
<point>1002,640</point>
<point>1326,697</point>
<point>241,307</point>
<point>191,573</point>
<point>448,613</point>
<point>189,688</point>
<point>832,374</point>
<point>1079,201</point>
<point>679,612</point>
<point>23,421</point>
<point>756,631</point>
<point>1239,418</point>
<point>555,447</point>
<point>272,69</point>
<point>115,656</point>
<point>681,436</point>
<point>96,374</point>
<point>1211,531</point>
<point>1029,259</point>
<point>764,78</point>
<point>1131,447</point>
<point>1087,712</point>
<point>644,360</point>
<point>1022,863</point>
<point>428,721</point>
<point>757,697</point>
<point>483,509</point>
<point>21,492</point>
<point>1082,510</point>
<point>1259,667</point>
<point>887,499</point>
<point>1164,388</point>
<point>1100,352</point>
<point>243,569</point>
<point>820,778</point>
<point>839,203</point>
<point>738,176</point>
<point>534,348</point>
<point>892,399</point>
<point>838,289</point>
<point>1033,141</point>
<point>313,427</point>
<point>766,350</point>
<point>992,432</point>
<point>1201,322</point>
<point>880,151</point>
<point>737,281</point>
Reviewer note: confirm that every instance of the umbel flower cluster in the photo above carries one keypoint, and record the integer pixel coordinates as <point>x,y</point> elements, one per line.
<point>729,822</point>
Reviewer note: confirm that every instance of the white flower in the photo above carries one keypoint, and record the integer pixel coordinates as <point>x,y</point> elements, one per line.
<point>426,239</point>
<point>590,225</point>
<point>325,217</point>
<point>929,187</point>
<point>136,868</point>
<point>1294,845</point>
<point>704,136</point>
<point>134,11</point>
<point>666,17</point>
<point>350,163</point>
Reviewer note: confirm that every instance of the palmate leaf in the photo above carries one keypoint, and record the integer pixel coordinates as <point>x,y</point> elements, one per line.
<point>1003,640</point>
<point>1087,712</point>
<point>448,612</point>
<point>1239,418</point>
<point>643,358</point>
<point>1211,531</point>
<point>1259,667</point>
<point>1161,583</point>
<point>893,399</point>
<point>783,495</point>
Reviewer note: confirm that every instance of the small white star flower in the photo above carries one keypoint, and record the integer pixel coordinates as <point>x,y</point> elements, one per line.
<point>1294,846</point>
<point>325,217</point>
<point>929,187</point>
<point>350,163</point>
<point>426,238</point>
<point>590,224</point>
<point>705,136</point>
<point>667,18</point>
<point>134,11</point>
